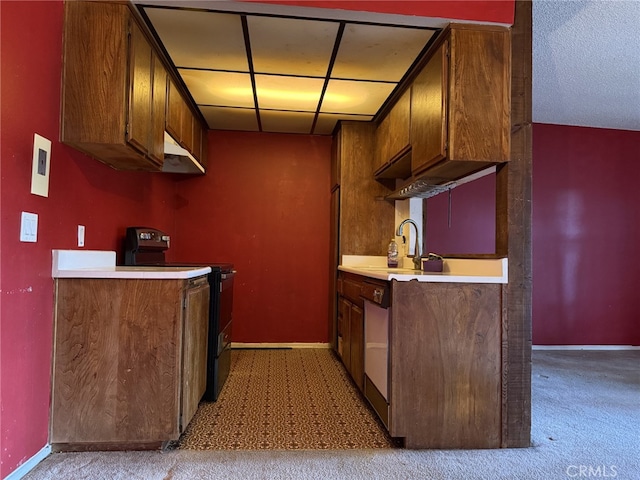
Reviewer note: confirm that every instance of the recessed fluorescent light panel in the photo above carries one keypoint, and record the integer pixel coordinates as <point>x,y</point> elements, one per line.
<point>305,73</point>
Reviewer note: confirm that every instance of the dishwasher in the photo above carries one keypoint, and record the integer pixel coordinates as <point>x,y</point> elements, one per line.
<point>376,347</point>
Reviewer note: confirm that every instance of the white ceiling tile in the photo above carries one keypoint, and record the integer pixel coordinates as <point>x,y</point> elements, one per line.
<point>286,122</point>
<point>359,98</point>
<point>288,93</point>
<point>327,122</point>
<point>200,39</point>
<point>220,118</point>
<point>373,52</point>
<point>219,88</point>
<point>291,47</point>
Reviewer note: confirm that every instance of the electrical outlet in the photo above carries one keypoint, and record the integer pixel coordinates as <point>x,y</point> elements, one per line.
<point>81,235</point>
<point>29,227</point>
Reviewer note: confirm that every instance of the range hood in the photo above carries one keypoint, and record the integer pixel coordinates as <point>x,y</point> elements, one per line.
<point>177,159</point>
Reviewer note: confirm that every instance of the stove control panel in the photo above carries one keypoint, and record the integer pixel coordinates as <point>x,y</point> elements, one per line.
<point>141,238</point>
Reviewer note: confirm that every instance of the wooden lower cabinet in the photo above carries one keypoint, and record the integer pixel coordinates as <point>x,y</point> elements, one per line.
<point>445,364</point>
<point>129,361</point>
<point>351,327</point>
<point>444,361</point>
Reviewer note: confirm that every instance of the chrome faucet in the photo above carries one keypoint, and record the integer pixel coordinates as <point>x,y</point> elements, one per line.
<point>417,265</point>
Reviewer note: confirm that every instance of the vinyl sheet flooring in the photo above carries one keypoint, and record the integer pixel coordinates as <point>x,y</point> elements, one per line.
<point>286,399</point>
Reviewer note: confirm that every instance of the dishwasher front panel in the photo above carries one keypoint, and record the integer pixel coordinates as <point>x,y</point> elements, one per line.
<point>376,349</point>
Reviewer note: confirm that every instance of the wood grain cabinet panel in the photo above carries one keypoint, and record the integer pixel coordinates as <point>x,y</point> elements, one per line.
<point>361,220</point>
<point>393,133</point>
<point>461,103</point>
<point>366,219</point>
<point>107,86</point>
<point>183,126</point>
<point>128,361</point>
<point>158,110</point>
<point>429,107</point>
<point>140,91</point>
<point>114,91</point>
<point>194,355</point>
<point>357,346</point>
<point>344,332</point>
<point>444,359</point>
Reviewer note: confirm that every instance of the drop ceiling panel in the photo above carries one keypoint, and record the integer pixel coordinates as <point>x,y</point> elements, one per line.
<point>373,52</point>
<point>200,39</point>
<point>291,59</point>
<point>288,93</point>
<point>221,118</point>
<point>290,46</point>
<point>327,122</point>
<point>357,98</point>
<point>219,88</point>
<point>286,122</point>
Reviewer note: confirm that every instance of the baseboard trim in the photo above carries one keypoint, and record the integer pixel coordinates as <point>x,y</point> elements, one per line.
<point>239,345</point>
<point>585,347</point>
<point>30,464</point>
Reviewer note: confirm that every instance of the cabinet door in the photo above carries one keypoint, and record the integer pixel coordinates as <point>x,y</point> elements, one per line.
<point>174,111</point>
<point>382,143</point>
<point>187,125</point>
<point>344,318</point>
<point>194,353</point>
<point>399,126</point>
<point>158,107</point>
<point>429,112</point>
<point>357,345</point>
<point>140,87</point>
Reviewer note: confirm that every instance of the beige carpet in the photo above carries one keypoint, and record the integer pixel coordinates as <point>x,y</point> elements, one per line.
<point>289,399</point>
<point>586,419</point>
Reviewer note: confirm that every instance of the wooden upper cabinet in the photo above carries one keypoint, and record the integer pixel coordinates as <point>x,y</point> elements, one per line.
<point>180,121</point>
<point>460,106</point>
<point>183,125</point>
<point>393,133</point>
<point>158,107</point>
<point>140,90</point>
<point>429,112</point>
<point>107,86</point>
<point>175,109</point>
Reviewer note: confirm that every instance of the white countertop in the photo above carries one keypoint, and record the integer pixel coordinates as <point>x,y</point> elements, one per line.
<point>455,270</point>
<point>102,264</point>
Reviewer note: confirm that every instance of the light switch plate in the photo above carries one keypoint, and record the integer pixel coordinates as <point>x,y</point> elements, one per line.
<point>81,235</point>
<point>29,227</point>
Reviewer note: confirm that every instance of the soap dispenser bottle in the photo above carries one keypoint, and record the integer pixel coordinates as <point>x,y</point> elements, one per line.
<point>392,254</point>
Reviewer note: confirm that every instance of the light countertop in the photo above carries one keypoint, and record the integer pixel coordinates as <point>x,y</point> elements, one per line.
<point>102,264</point>
<point>456,270</point>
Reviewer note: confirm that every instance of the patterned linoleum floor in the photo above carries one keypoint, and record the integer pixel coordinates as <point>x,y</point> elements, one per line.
<point>285,399</point>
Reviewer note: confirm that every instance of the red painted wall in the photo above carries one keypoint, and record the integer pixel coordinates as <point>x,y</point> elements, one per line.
<point>586,231</point>
<point>496,11</point>
<point>82,191</point>
<point>264,206</point>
